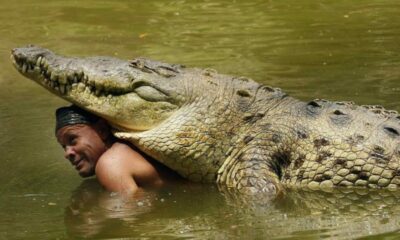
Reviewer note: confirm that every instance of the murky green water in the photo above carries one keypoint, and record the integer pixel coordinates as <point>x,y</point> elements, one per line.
<point>343,50</point>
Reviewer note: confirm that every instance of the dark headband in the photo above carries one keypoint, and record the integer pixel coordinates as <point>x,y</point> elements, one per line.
<point>73,115</point>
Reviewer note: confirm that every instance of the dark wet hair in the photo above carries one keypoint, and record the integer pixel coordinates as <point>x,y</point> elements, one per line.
<point>73,115</point>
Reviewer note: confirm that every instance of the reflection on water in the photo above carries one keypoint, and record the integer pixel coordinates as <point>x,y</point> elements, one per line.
<point>200,211</point>
<point>92,212</point>
<point>338,50</point>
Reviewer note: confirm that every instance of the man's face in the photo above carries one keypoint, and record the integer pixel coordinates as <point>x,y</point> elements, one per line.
<point>83,146</point>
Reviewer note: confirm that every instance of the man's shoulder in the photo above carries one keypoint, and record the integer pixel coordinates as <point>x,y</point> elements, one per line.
<point>119,152</point>
<point>118,157</point>
<point>119,148</point>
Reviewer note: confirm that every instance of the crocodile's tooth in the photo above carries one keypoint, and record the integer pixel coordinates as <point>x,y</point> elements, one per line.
<point>53,77</point>
<point>24,67</point>
<point>46,65</point>
<point>62,89</point>
<point>87,90</point>
<point>42,61</point>
<point>63,79</point>
<point>75,79</point>
<point>81,87</point>
<point>68,88</point>
<point>19,66</point>
<point>85,79</point>
<point>46,81</point>
<point>12,58</point>
<point>38,61</point>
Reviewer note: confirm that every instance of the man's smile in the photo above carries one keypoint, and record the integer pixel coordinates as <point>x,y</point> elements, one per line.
<point>77,163</point>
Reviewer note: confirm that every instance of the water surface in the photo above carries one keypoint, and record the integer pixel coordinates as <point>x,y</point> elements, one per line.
<point>337,50</point>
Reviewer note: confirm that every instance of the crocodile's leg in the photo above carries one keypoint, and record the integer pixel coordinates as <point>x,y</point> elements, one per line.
<point>252,171</point>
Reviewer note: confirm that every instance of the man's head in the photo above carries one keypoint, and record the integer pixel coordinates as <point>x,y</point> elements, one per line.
<point>83,137</point>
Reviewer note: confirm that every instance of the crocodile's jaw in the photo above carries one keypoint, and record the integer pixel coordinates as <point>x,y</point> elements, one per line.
<point>106,86</point>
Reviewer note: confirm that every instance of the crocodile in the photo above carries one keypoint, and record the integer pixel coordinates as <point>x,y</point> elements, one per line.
<point>233,131</point>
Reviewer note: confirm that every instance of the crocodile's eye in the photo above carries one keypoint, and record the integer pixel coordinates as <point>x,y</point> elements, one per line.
<point>392,131</point>
<point>150,94</point>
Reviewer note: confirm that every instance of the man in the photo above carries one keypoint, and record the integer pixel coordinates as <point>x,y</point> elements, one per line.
<point>90,146</point>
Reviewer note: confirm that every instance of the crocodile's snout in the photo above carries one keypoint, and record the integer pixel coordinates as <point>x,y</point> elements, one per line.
<point>104,85</point>
<point>42,66</point>
<point>27,57</point>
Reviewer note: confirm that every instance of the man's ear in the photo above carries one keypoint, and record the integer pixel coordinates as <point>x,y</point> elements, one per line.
<point>103,129</point>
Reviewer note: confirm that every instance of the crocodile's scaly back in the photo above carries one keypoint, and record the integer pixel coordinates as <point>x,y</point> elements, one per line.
<point>340,143</point>
<point>212,127</point>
